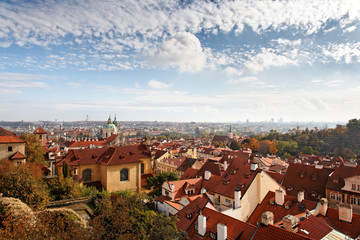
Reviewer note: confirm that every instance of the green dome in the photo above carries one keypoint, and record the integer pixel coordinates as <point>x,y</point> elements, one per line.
<point>109,126</point>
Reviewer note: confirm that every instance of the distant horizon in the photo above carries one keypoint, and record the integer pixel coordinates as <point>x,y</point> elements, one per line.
<point>218,61</point>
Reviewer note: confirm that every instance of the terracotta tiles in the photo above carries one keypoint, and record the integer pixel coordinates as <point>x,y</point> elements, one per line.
<point>4,132</point>
<point>10,139</point>
<point>313,227</point>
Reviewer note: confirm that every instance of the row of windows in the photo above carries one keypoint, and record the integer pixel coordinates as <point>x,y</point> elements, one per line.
<point>355,187</point>
<point>124,175</point>
<point>354,200</point>
<point>335,196</point>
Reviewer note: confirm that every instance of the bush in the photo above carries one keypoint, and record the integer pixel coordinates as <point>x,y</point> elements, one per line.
<point>64,188</point>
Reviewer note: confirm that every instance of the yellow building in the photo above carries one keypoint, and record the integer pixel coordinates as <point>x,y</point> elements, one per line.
<point>116,168</point>
<point>11,147</point>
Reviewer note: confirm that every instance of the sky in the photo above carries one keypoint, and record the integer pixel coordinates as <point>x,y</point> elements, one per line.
<point>164,60</point>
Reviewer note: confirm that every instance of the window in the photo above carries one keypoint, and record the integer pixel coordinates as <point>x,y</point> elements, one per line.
<point>352,200</point>
<point>332,196</point>
<point>338,197</point>
<point>142,168</point>
<point>86,175</point>
<point>358,187</point>
<point>124,175</point>
<point>227,200</point>
<point>353,186</point>
<point>358,201</point>
<point>10,149</point>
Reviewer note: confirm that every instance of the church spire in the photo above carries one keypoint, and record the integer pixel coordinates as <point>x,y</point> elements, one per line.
<point>109,120</point>
<point>115,121</point>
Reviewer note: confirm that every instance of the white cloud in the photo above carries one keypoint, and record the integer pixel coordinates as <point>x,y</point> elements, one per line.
<point>157,85</point>
<point>350,29</point>
<point>19,80</point>
<point>182,50</point>
<point>347,52</point>
<point>243,80</point>
<point>232,72</point>
<point>267,59</point>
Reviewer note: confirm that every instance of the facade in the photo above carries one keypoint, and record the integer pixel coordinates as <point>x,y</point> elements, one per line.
<point>116,168</point>
<point>343,185</point>
<point>41,134</point>
<point>11,147</point>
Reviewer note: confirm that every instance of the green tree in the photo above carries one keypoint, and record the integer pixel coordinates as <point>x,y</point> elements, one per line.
<point>164,228</point>
<point>34,149</point>
<point>307,150</point>
<point>156,182</point>
<point>235,145</point>
<point>23,182</point>
<point>63,188</point>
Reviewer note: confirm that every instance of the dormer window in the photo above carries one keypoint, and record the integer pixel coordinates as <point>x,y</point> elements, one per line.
<point>302,174</point>
<point>289,188</point>
<point>314,176</point>
<point>213,235</point>
<point>226,182</point>
<point>336,180</point>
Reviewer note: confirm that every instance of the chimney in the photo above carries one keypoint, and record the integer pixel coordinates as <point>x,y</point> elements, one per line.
<point>225,165</point>
<point>300,196</point>
<point>291,223</point>
<point>172,187</point>
<point>345,212</point>
<point>279,197</point>
<point>203,190</point>
<point>237,196</point>
<point>201,225</point>
<point>221,231</point>
<point>207,175</point>
<point>253,166</point>
<point>323,206</point>
<point>267,218</point>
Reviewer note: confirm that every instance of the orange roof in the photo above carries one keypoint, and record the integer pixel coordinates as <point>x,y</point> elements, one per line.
<point>4,132</point>
<point>17,155</point>
<point>10,139</point>
<point>40,131</point>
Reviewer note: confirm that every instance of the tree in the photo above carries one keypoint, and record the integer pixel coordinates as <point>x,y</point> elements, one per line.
<point>164,228</point>
<point>65,170</point>
<point>156,182</point>
<point>64,188</point>
<point>23,182</point>
<point>307,150</point>
<point>254,144</point>
<point>235,145</point>
<point>34,150</point>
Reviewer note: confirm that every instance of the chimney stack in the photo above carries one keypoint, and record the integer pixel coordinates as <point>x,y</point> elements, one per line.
<point>291,223</point>
<point>345,212</point>
<point>201,225</point>
<point>323,206</point>
<point>221,231</point>
<point>207,175</point>
<point>253,166</point>
<point>225,165</point>
<point>300,196</point>
<point>267,218</point>
<point>237,196</point>
<point>279,197</point>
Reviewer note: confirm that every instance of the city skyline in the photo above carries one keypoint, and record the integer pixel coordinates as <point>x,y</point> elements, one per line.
<point>183,61</point>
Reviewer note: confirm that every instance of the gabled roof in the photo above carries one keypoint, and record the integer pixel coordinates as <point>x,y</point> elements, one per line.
<point>336,180</point>
<point>210,166</point>
<point>218,138</point>
<point>332,219</point>
<point>237,175</point>
<point>189,173</point>
<point>308,178</point>
<point>17,155</point>
<point>4,132</point>
<point>10,139</point>
<point>82,156</point>
<point>236,229</point>
<point>78,144</point>
<point>268,204</point>
<point>278,177</point>
<point>188,162</point>
<point>115,156</point>
<point>40,131</point>
<point>189,213</point>
<point>314,228</point>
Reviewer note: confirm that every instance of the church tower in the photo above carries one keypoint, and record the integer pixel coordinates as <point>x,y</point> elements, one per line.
<point>109,128</point>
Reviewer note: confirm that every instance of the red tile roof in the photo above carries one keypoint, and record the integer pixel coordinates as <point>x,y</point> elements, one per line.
<point>188,162</point>
<point>332,219</point>
<point>189,213</point>
<point>162,198</point>
<point>271,232</point>
<point>279,212</point>
<point>237,175</point>
<point>236,229</point>
<point>189,173</point>
<point>40,131</point>
<point>314,228</point>
<point>17,155</point>
<point>278,177</point>
<point>115,156</point>
<point>10,139</point>
<point>214,168</point>
<point>336,180</point>
<point>308,178</point>
<point>79,144</point>
<point>4,132</point>
<point>83,156</point>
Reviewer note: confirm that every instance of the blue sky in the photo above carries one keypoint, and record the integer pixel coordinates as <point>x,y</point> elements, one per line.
<point>180,60</point>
